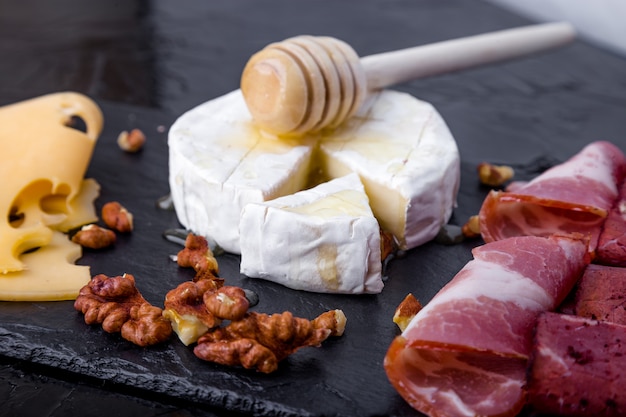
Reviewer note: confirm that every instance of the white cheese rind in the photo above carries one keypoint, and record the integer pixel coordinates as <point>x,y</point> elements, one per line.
<point>400,146</point>
<point>324,239</point>
<point>219,162</point>
<point>408,160</point>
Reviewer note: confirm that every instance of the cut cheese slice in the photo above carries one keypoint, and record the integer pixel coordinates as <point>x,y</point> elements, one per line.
<point>49,274</point>
<point>324,239</point>
<point>43,164</point>
<point>400,146</point>
<point>81,208</point>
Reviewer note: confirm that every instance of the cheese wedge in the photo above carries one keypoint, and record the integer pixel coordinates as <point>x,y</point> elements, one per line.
<point>324,239</point>
<point>400,147</point>
<point>408,162</point>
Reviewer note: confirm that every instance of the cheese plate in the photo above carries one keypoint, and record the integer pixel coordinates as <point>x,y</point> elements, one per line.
<point>529,114</point>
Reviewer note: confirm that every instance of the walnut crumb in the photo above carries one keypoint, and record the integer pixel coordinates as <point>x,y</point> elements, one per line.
<point>406,310</point>
<point>132,141</point>
<point>94,237</point>
<point>471,228</point>
<point>117,217</point>
<point>494,175</point>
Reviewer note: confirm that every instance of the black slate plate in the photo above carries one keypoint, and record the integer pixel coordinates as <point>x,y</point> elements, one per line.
<point>529,113</point>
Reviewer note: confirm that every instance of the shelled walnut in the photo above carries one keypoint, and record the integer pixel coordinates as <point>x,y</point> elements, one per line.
<point>117,217</point>
<point>186,310</point>
<point>198,255</point>
<point>132,141</point>
<point>115,302</point>
<point>228,303</point>
<point>471,228</point>
<point>494,175</point>
<point>94,237</point>
<point>406,310</point>
<point>260,341</point>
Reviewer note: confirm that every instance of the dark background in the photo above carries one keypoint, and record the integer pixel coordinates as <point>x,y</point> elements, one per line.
<point>147,62</point>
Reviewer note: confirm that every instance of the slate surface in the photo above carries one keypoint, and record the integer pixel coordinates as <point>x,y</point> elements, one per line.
<point>529,113</point>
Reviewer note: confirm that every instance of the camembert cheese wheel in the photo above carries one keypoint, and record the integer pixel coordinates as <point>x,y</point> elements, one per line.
<point>400,147</point>
<point>324,239</point>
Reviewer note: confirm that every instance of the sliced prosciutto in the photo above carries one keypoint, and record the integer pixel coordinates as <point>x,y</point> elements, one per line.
<point>578,367</point>
<point>575,196</point>
<point>465,353</point>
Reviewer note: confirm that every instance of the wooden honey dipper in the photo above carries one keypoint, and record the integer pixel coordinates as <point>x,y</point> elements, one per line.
<point>306,83</point>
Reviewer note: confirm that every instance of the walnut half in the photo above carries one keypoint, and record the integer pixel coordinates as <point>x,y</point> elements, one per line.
<point>260,341</point>
<point>115,302</point>
<point>198,255</point>
<point>94,237</point>
<point>186,310</point>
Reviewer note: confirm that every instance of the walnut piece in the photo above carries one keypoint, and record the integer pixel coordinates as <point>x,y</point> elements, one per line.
<point>132,141</point>
<point>494,175</point>
<point>94,237</point>
<point>471,228</point>
<point>117,217</point>
<point>115,302</point>
<point>198,255</point>
<point>228,303</point>
<point>260,341</point>
<point>186,310</point>
<point>406,310</point>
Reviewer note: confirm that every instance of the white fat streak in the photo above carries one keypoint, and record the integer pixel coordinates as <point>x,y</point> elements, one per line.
<point>594,166</point>
<point>462,409</point>
<point>436,394</point>
<point>555,359</point>
<point>491,281</point>
<point>571,249</point>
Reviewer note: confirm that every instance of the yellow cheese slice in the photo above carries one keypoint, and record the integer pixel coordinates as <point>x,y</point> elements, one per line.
<point>81,208</point>
<point>43,164</point>
<point>49,274</point>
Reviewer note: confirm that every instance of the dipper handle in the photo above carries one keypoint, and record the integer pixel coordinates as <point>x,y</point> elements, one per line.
<point>307,83</point>
<point>396,67</point>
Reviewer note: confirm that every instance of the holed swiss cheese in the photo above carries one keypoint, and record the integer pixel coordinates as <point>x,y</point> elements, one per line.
<point>44,193</point>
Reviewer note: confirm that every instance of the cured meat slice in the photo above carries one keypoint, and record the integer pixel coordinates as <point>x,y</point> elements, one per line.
<point>465,352</point>
<point>575,196</point>
<point>577,367</point>
<point>612,243</point>
<point>601,294</point>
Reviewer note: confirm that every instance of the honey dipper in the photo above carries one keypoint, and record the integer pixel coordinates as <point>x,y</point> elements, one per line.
<point>308,83</point>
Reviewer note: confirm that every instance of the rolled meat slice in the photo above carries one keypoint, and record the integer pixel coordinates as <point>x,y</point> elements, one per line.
<point>575,196</point>
<point>578,367</point>
<point>465,352</point>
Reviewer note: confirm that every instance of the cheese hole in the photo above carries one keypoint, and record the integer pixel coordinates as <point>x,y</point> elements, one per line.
<point>15,217</point>
<point>55,203</point>
<point>76,122</point>
<point>35,200</point>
